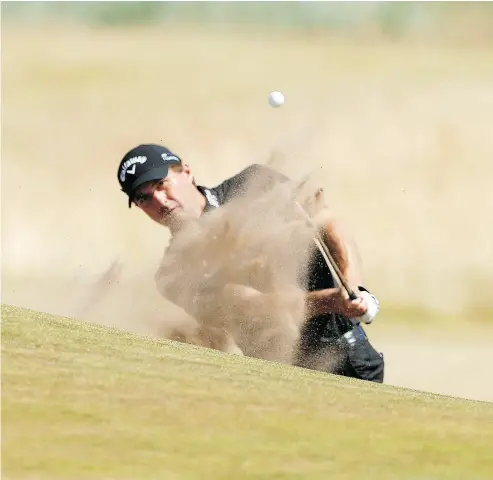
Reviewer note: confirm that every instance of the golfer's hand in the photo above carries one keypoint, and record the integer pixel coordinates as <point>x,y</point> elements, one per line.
<point>349,308</point>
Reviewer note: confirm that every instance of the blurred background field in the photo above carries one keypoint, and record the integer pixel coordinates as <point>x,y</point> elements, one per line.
<point>391,101</point>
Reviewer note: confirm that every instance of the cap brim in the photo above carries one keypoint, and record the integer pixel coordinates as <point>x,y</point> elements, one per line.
<point>154,174</point>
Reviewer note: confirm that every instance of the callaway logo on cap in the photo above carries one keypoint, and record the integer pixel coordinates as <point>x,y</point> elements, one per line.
<point>143,164</point>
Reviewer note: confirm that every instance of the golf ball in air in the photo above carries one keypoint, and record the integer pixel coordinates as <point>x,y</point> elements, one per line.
<point>276,99</point>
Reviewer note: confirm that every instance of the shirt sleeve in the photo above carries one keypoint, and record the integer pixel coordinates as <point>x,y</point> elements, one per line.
<point>254,177</point>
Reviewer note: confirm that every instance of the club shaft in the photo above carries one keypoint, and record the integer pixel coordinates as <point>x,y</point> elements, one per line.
<point>329,260</point>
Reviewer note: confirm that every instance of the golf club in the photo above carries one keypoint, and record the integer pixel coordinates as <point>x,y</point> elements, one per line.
<point>324,250</point>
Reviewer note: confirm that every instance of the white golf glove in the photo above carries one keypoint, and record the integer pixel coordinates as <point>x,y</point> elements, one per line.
<point>371,312</point>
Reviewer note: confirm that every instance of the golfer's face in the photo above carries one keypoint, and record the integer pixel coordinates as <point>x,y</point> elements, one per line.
<point>166,200</point>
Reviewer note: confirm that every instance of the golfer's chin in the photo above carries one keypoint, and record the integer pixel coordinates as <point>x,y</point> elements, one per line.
<point>176,219</point>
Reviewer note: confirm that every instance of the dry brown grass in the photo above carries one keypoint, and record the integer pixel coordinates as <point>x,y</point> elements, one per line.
<point>400,135</point>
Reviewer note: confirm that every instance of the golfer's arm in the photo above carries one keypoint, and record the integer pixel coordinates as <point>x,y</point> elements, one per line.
<point>240,300</point>
<point>230,301</point>
<point>319,302</point>
<point>212,302</point>
<point>343,248</point>
<point>249,301</point>
<point>221,305</point>
<point>345,252</point>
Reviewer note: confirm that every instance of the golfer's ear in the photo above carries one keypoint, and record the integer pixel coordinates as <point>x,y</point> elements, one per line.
<point>188,172</point>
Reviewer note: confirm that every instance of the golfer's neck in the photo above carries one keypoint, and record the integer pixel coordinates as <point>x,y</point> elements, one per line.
<point>201,204</point>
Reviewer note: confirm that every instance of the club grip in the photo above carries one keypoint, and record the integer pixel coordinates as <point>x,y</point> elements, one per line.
<point>352,295</point>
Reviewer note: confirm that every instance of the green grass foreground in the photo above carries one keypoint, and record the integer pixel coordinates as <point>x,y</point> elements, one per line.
<point>84,401</point>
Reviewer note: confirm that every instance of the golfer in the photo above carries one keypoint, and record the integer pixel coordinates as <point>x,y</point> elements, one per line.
<point>158,182</point>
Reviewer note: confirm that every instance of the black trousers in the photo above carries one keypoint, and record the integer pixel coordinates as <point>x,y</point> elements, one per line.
<point>324,347</point>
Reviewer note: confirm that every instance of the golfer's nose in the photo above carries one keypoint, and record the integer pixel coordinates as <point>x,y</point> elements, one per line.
<point>159,197</point>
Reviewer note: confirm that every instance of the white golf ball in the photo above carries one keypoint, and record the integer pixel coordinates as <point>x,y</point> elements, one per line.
<point>276,99</point>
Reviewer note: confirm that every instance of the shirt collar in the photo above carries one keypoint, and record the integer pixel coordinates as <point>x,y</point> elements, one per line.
<point>211,200</point>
